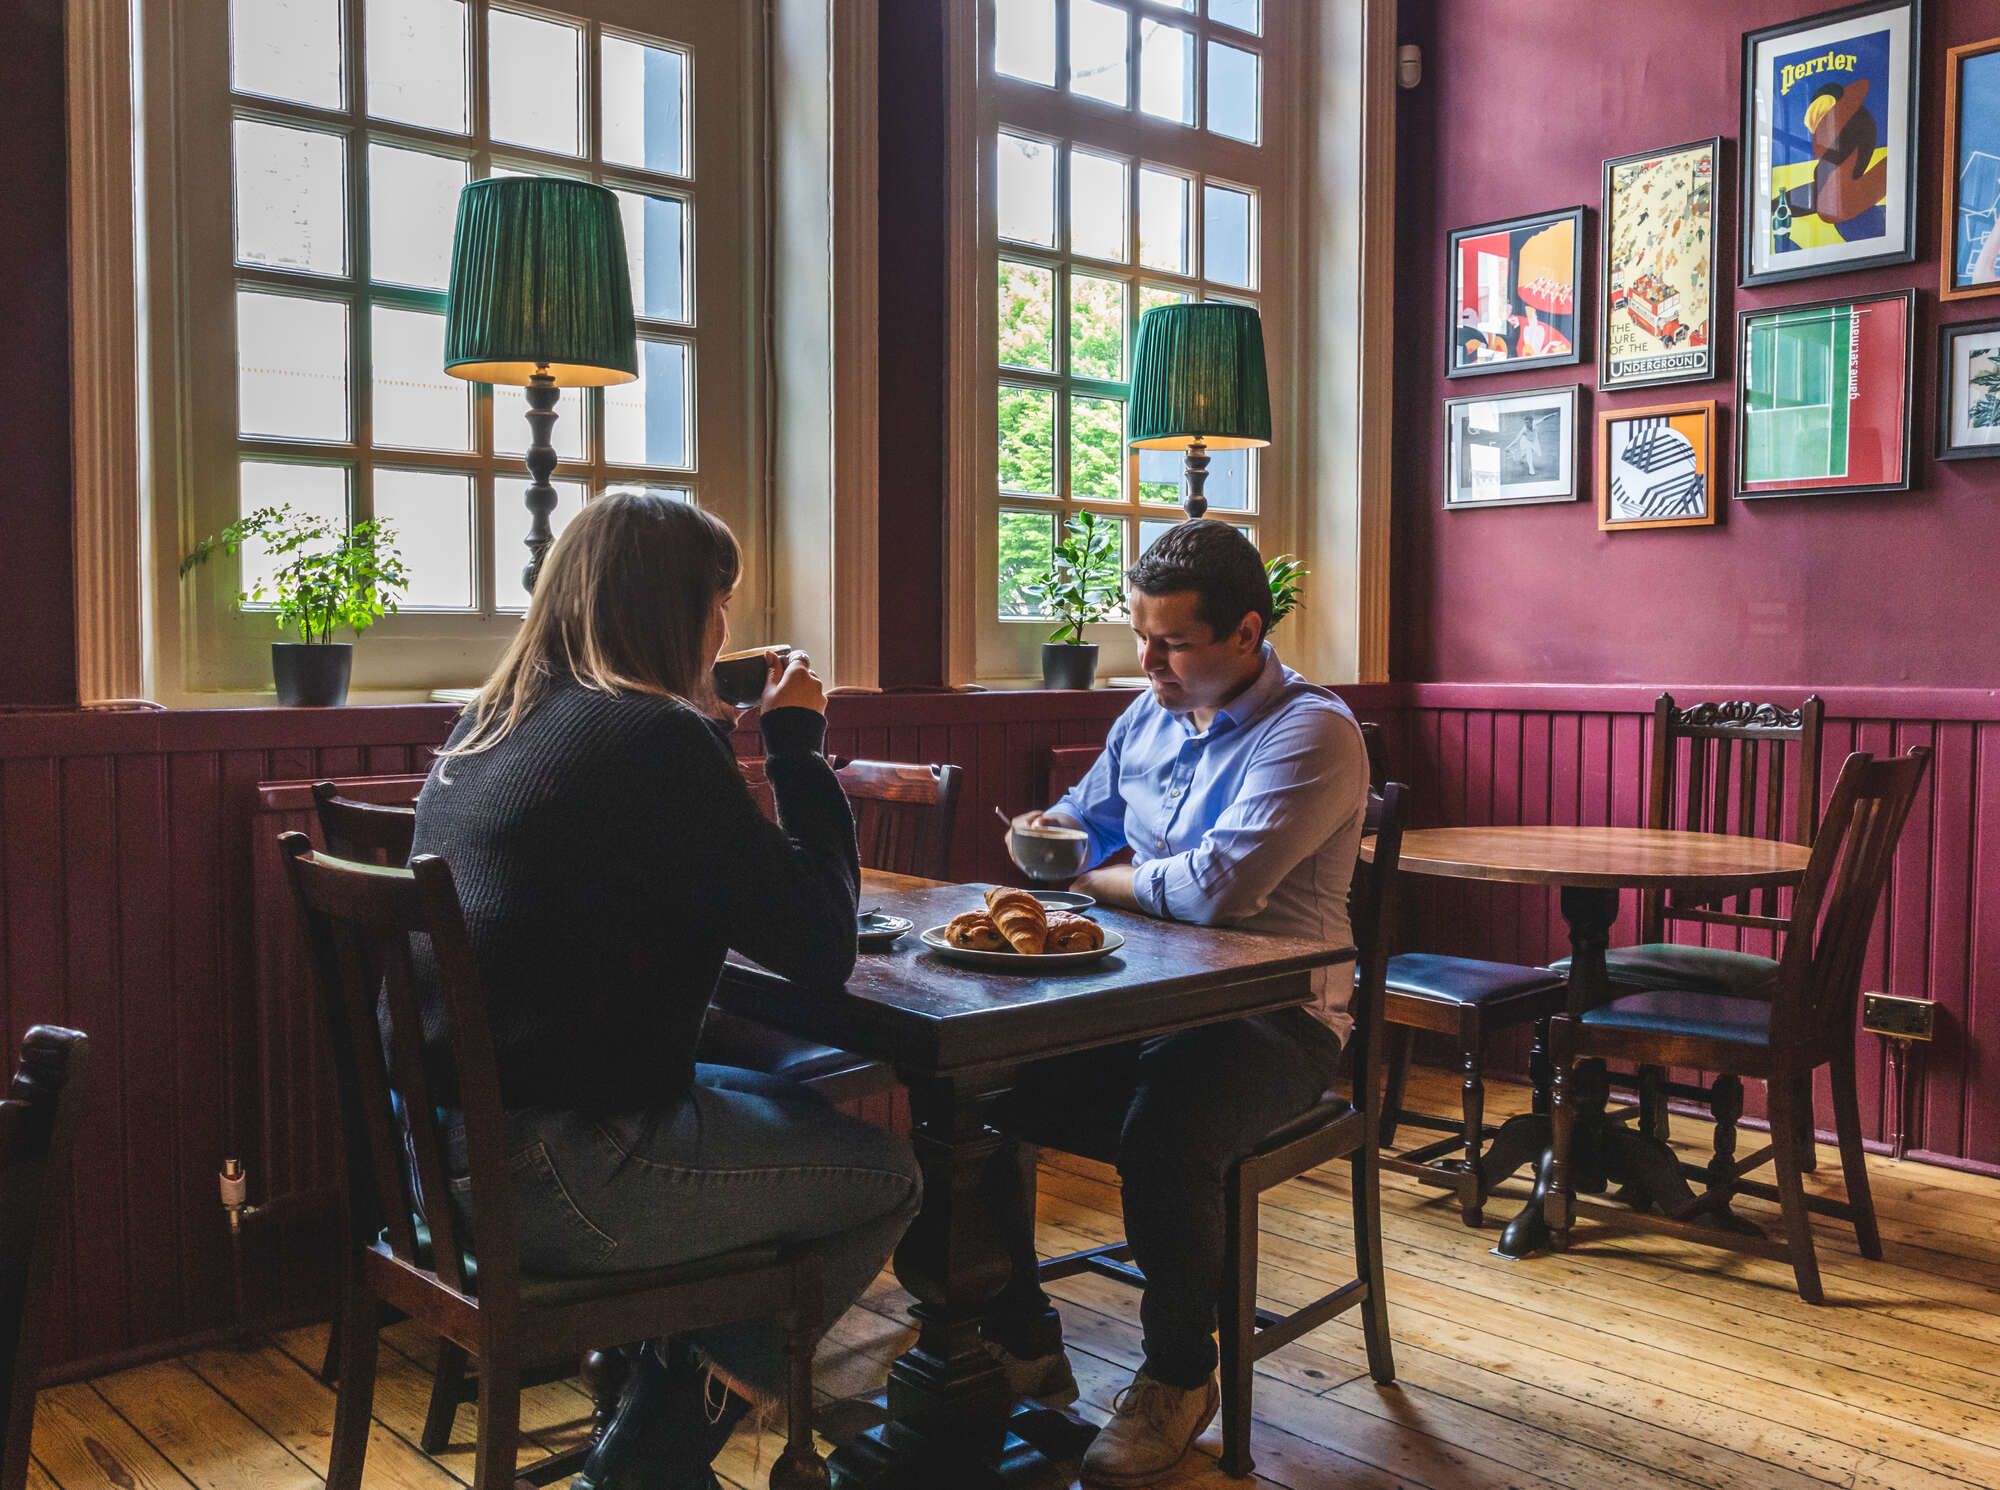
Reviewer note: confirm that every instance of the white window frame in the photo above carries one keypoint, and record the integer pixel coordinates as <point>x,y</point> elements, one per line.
<point>203,653</point>
<point>1325,184</point>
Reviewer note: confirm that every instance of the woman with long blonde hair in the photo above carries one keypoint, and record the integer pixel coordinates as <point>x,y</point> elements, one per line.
<point>608,854</point>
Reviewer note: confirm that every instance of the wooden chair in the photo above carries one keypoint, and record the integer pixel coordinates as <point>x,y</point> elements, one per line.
<point>366,832</point>
<point>1780,1034</point>
<point>359,922</point>
<point>1469,1000</point>
<point>1335,1128</point>
<point>1751,769</point>
<point>38,1119</point>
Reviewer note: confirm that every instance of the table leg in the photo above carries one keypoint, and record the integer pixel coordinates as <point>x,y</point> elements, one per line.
<point>948,1405</point>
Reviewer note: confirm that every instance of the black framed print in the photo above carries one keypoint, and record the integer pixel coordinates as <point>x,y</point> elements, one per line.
<point>1515,294</point>
<point>1830,142</point>
<point>1656,279</point>
<point>1507,449</point>
<point>1968,403</point>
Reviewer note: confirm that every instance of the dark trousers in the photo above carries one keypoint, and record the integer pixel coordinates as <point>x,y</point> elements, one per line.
<point>1173,1113</point>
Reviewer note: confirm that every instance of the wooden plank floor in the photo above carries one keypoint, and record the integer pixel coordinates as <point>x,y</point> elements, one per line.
<point>1633,1362</point>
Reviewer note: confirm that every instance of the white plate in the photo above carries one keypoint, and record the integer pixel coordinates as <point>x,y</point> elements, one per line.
<point>1014,961</point>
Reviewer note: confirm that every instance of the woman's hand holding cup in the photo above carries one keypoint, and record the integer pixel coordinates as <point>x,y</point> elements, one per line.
<point>792,684</point>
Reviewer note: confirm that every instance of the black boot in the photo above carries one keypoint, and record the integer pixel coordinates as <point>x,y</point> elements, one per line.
<point>666,1432</point>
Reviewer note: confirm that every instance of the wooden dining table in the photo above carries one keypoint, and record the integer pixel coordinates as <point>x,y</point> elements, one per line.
<point>1592,867</point>
<point>957,1035</point>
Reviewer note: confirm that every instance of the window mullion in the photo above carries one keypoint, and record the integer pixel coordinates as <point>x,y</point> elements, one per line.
<point>360,319</point>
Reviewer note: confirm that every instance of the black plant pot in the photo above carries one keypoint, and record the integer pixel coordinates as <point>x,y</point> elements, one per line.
<point>1069,664</point>
<point>311,676</point>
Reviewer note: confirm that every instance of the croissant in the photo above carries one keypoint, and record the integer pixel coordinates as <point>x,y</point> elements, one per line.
<point>1020,918</point>
<point>1069,933</point>
<point>975,930</point>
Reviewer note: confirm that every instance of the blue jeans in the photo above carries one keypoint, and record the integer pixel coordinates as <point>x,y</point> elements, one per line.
<point>746,1160</point>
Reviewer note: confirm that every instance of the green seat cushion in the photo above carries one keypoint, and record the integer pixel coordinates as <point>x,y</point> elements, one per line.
<point>1709,1016</point>
<point>1664,965</point>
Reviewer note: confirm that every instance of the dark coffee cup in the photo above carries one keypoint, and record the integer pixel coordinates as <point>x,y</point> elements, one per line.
<point>740,676</point>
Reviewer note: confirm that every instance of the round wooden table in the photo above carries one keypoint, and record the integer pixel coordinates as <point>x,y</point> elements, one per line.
<point>1591,866</point>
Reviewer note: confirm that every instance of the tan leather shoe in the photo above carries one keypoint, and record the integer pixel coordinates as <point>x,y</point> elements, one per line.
<point>1152,1427</point>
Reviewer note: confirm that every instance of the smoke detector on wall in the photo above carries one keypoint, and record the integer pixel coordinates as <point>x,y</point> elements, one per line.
<point>1409,66</point>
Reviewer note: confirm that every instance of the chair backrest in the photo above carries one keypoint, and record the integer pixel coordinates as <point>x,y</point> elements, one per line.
<point>38,1119</point>
<point>1370,915</point>
<point>1378,755</point>
<point>903,815</point>
<point>369,832</point>
<point>362,922</point>
<point>1751,769</point>
<point>1819,975</point>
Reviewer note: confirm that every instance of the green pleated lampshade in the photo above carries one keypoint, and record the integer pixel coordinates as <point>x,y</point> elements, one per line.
<point>538,280</point>
<point>1198,373</point>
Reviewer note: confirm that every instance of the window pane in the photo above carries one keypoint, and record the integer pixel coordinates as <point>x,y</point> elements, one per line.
<point>416,62</point>
<point>432,515</point>
<point>1097,51</point>
<point>418,406</point>
<point>535,82</point>
<point>1027,181</point>
<point>1225,235</point>
<point>318,491</point>
<point>1228,488</point>
<point>1162,475</point>
<point>286,49</point>
<point>1149,531</point>
<point>1152,295</point>
<point>1232,92</point>
<point>672,493</point>
<point>1027,440</point>
<point>291,198</point>
<point>646,423</point>
<point>291,366</point>
<point>510,421</point>
<point>1242,14</point>
<point>412,211</point>
<point>1097,205</point>
<point>656,253</point>
<point>1166,71</point>
<point>510,527</point>
<point>1097,448</point>
<point>1096,327</point>
<point>1024,40</point>
<point>1026,541</point>
<point>1027,315</point>
<point>645,106</point>
<point>1163,220</point>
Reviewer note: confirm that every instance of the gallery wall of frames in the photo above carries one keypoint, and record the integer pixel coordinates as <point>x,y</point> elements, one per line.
<point>1783,301</point>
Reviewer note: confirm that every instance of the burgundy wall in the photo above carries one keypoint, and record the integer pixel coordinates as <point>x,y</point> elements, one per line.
<point>37,605</point>
<point>1521,102</point>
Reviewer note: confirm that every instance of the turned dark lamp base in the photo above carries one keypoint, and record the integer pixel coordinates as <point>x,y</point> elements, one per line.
<point>540,499</point>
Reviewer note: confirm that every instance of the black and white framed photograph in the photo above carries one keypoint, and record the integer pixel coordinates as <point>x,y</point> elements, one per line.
<point>1504,449</point>
<point>1968,390</point>
<point>1830,142</point>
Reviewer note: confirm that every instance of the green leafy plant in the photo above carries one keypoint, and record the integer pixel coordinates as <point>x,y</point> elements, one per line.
<point>330,577</point>
<point>1081,584</point>
<point>1287,576</point>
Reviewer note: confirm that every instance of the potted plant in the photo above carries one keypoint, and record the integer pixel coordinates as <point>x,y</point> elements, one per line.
<point>1287,576</point>
<point>330,578</point>
<point>1080,587</point>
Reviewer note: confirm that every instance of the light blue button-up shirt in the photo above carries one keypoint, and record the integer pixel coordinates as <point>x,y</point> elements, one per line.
<point>1254,821</point>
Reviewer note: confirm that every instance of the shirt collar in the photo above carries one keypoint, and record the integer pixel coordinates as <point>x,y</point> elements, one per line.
<point>1248,705</point>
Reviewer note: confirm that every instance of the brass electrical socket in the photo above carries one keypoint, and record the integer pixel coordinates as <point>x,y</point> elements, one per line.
<point>1903,1018</point>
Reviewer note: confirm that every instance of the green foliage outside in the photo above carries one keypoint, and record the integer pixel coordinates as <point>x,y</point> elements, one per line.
<point>330,577</point>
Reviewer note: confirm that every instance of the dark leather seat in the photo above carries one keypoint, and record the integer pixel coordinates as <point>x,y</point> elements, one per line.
<point>1666,965</point>
<point>1466,980</point>
<point>1706,1016</point>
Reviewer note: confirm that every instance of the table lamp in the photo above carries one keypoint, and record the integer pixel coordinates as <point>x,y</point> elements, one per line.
<point>1198,385</point>
<point>540,298</point>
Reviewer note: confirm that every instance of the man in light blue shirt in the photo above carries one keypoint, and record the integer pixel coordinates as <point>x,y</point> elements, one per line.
<point>1240,789</point>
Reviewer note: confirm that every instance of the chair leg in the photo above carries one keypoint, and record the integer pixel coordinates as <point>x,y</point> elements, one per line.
<point>1653,1117</point>
<point>1725,1101</point>
<point>1557,1203</point>
<point>329,1366</point>
<point>447,1391</point>
<point>1365,1185</point>
<point>1239,1325</point>
<point>1808,1134</point>
<point>499,1444</point>
<point>354,1407</point>
<point>1403,1039</point>
<point>1853,1159</point>
<point>1783,1096</point>
<point>799,1466</point>
<point>1472,1099</point>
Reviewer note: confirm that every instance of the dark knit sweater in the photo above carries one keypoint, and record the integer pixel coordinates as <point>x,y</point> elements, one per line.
<point>607,854</point>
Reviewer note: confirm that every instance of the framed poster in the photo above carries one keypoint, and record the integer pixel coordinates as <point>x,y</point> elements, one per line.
<point>1829,142</point>
<point>1504,449</point>
<point>1658,274</point>
<point>1970,248</point>
<point>1515,292</point>
<point>1823,396</point>
<point>1968,390</point>
<point>1656,467</point>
